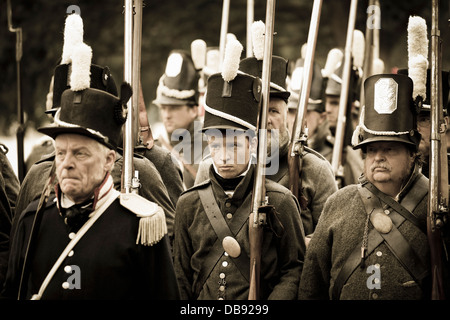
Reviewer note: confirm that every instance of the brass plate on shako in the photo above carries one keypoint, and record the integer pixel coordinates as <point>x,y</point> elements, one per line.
<point>385,94</point>
<point>231,246</point>
<point>381,221</point>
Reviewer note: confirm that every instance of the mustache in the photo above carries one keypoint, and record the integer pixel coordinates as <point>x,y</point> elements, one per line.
<point>380,165</point>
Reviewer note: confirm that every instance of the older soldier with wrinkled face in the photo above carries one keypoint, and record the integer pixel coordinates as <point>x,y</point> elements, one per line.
<point>86,214</point>
<point>81,165</point>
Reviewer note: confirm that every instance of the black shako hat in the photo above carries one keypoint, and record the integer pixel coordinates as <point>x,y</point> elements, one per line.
<point>232,104</point>
<point>426,104</point>
<point>389,113</point>
<point>278,76</point>
<point>317,90</point>
<point>179,85</point>
<point>93,113</point>
<point>101,79</point>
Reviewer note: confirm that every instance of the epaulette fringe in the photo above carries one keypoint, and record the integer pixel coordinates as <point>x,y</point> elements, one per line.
<point>152,223</point>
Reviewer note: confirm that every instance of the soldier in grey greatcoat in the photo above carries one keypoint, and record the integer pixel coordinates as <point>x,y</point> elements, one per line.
<point>211,246</point>
<point>316,174</point>
<point>371,240</point>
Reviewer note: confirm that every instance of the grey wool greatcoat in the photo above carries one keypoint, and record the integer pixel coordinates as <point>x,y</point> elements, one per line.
<point>340,231</point>
<point>282,250</point>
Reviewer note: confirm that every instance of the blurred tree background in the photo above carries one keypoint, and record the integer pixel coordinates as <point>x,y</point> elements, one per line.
<point>174,24</point>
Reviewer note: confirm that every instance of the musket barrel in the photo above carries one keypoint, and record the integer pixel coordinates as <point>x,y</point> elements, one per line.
<point>20,118</point>
<point>438,182</point>
<point>434,114</point>
<point>376,31</point>
<point>257,219</point>
<point>136,76</point>
<point>223,30</point>
<point>250,19</point>
<point>346,73</point>
<point>299,122</point>
<point>127,172</point>
<point>260,191</point>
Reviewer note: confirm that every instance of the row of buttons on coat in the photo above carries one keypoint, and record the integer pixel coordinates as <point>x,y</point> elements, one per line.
<point>68,269</point>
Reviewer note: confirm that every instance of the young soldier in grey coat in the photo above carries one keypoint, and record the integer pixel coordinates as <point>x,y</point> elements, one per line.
<point>211,247</point>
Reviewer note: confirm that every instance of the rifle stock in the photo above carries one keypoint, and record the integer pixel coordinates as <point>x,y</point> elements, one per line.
<point>438,192</point>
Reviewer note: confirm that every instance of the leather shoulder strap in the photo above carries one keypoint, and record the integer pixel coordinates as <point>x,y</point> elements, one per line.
<point>409,202</point>
<point>397,244</point>
<point>222,230</point>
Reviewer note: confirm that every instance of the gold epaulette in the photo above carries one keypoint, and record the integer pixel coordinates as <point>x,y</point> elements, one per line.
<point>152,224</point>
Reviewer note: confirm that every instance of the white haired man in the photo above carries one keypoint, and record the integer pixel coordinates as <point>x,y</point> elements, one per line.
<point>87,242</point>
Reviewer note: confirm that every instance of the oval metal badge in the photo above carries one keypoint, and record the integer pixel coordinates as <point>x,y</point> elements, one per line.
<point>381,222</point>
<point>385,95</point>
<point>231,246</point>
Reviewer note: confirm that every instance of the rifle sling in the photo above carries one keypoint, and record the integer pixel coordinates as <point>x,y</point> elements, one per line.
<point>222,230</point>
<point>395,241</point>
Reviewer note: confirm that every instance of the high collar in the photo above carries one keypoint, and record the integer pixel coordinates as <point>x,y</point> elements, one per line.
<point>99,193</point>
<point>242,189</point>
<point>413,177</point>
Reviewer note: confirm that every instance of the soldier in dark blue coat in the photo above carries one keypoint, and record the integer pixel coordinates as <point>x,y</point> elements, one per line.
<point>160,181</point>
<point>89,241</point>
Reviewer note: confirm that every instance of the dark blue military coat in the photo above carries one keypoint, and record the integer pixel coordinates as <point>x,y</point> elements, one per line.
<point>108,262</point>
